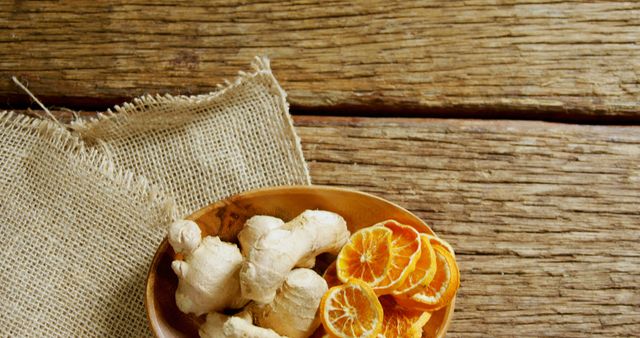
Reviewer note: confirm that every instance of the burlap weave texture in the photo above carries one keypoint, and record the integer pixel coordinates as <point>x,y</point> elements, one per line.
<point>82,211</point>
<point>206,147</point>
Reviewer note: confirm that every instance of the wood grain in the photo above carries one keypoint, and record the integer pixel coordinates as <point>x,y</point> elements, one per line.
<point>525,57</point>
<point>544,217</point>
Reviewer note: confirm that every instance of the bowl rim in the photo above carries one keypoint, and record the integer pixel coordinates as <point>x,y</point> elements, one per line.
<point>446,320</point>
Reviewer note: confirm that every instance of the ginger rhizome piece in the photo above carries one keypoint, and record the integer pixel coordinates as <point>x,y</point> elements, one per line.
<point>294,310</point>
<point>209,278</point>
<point>259,225</point>
<point>184,236</point>
<point>254,228</point>
<point>216,275</point>
<point>277,252</point>
<point>222,326</point>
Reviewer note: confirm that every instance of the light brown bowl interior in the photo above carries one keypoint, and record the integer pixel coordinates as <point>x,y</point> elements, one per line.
<point>226,218</point>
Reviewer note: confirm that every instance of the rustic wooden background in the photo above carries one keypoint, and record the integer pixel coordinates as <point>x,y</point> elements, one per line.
<point>545,216</point>
<point>532,57</point>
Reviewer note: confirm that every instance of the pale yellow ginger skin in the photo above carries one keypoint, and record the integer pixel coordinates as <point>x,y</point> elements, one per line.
<point>222,326</point>
<point>209,278</point>
<point>184,236</point>
<point>258,226</point>
<point>294,310</point>
<point>274,254</point>
<point>245,314</point>
<point>254,228</point>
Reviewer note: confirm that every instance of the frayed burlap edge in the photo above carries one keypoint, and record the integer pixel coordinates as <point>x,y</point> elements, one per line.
<point>260,65</point>
<point>121,178</point>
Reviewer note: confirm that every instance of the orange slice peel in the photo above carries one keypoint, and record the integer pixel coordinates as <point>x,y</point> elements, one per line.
<point>424,271</point>
<point>351,310</point>
<point>435,240</point>
<point>405,252</point>
<point>441,289</point>
<point>401,322</point>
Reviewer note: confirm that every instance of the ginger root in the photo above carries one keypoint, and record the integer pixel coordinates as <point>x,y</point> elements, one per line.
<point>217,275</point>
<point>254,228</point>
<point>277,252</point>
<point>258,226</point>
<point>293,312</point>
<point>209,278</point>
<point>222,326</point>
<point>184,236</point>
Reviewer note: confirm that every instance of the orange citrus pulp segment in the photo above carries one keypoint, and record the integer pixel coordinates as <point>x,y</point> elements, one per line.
<point>331,275</point>
<point>442,288</point>
<point>367,256</point>
<point>424,271</point>
<point>401,322</point>
<point>351,310</point>
<point>405,251</point>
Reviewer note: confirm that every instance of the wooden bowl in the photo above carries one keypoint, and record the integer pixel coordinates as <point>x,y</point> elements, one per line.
<point>227,217</point>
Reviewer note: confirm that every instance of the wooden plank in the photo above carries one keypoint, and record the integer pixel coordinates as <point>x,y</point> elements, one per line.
<point>525,58</point>
<point>544,217</point>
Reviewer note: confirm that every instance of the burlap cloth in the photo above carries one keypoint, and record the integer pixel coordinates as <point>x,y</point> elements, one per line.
<point>82,209</point>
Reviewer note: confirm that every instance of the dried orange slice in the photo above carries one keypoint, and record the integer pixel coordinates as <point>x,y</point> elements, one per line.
<point>424,272</point>
<point>401,322</point>
<point>435,240</point>
<point>367,256</point>
<point>442,288</point>
<point>351,310</point>
<point>405,251</point>
<point>331,275</point>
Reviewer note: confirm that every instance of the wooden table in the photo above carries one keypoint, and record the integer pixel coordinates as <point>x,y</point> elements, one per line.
<point>545,216</point>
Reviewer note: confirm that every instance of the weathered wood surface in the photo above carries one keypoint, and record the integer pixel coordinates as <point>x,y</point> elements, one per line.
<point>531,57</point>
<point>545,217</point>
